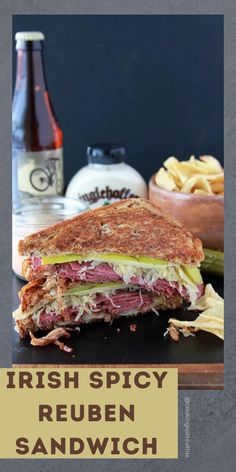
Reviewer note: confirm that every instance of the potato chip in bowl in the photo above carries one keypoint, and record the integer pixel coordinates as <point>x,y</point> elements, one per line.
<point>203,176</point>
<point>192,191</point>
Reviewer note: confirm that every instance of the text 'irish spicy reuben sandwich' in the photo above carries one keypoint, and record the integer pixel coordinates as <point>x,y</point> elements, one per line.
<point>119,260</point>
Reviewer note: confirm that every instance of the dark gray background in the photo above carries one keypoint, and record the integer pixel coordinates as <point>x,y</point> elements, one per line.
<point>213,414</point>
<point>154,83</point>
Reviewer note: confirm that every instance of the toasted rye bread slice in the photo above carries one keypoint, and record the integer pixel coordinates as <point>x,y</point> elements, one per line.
<point>133,227</point>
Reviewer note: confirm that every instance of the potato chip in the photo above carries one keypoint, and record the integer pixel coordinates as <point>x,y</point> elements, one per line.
<point>215,177</point>
<point>164,180</point>
<point>192,327</point>
<point>212,163</point>
<point>210,320</point>
<point>194,168</point>
<point>198,191</point>
<point>212,315</point>
<point>199,323</point>
<point>170,161</point>
<point>171,164</point>
<point>210,295</point>
<point>217,187</point>
<point>203,176</point>
<point>197,182</point>
<point>185,172</point>
<point>192,158</point>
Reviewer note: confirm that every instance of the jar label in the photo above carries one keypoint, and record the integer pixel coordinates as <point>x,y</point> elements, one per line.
<point>40,173</point>
<point>106,195</point>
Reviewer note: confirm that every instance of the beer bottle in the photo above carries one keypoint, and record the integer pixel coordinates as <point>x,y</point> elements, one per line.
<point>36,137</point>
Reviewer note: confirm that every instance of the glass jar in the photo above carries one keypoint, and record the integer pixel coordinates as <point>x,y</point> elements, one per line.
<point>38,213</point>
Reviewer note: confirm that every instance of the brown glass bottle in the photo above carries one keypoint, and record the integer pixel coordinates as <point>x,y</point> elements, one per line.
<point>36,136</point>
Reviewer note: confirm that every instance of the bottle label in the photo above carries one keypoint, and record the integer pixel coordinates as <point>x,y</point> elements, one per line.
<point>40,173</point>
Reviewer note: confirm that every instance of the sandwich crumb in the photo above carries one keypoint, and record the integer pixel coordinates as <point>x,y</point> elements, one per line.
<point>133,327</point>
<point>174,333</point>
<point>52,338</point>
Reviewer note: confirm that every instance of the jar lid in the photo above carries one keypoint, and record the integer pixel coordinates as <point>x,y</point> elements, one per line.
<point>40,212</point>
<point>106,153</point>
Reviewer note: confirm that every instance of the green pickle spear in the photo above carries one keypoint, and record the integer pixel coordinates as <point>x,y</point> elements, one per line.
<point>213,262</point>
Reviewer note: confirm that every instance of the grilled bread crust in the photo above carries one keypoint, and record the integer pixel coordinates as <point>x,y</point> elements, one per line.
<point>133,227</point>
<point>36,294</point>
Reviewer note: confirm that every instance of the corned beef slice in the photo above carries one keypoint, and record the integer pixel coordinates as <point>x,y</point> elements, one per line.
<point>87,273</point>
<point>104,272</point>
<point>119,302</point>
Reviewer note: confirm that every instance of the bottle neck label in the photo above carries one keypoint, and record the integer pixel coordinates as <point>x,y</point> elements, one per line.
<point>39,173</point>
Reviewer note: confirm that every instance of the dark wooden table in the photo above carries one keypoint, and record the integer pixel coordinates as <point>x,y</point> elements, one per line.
<point>190,376</point>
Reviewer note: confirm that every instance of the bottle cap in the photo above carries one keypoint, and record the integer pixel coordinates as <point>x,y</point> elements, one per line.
<point>106,153</point>
<point>29,36</point>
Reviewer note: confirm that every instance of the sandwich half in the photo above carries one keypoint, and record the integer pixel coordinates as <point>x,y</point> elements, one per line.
<point>118,260</point>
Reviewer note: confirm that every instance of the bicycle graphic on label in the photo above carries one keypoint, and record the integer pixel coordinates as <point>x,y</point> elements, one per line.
<point>41,179</point>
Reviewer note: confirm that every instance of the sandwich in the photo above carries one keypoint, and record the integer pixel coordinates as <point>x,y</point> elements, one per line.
<point>118,260</point>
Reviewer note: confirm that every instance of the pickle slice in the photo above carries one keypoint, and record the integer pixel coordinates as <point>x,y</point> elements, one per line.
<point>193,273</point>
<point>80,289</point>
<point>60,258</point>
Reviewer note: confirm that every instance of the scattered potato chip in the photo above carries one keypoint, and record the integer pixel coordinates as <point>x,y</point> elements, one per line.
<point>209,298</point>
<point>203,176</point>
<point>210,320</point>
<point>199,325</point>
